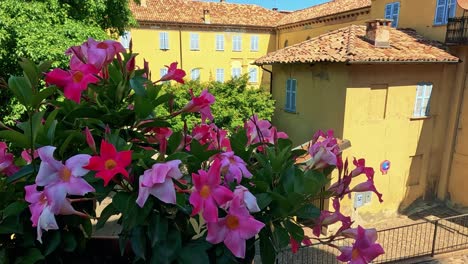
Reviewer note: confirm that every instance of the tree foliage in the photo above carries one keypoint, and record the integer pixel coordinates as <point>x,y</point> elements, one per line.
<point>235,103</point>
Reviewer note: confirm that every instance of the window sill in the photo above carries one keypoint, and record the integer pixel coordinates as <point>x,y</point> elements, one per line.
<point>164,49</point>
<point>219,50</point>
<point>291,112</point>
<point>237,51</point>
<point>416,118</point>
<point>194,49</point>
<point>254,51</point>
<point>439,25</point>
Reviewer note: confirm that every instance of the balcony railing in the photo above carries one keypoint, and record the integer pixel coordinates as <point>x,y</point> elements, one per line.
<point>457,31</point>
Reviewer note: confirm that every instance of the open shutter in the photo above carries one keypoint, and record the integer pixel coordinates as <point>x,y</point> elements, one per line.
<point>395,14</point>
<point>440,17</point>
<point>293,94</point>
<point>288,95</point>
<point>388,11</point>
<point>452,7</point>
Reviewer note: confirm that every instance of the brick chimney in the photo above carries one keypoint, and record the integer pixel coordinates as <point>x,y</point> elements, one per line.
<point>222,1</point>
<point>378,32</point>
<point>143,3</point>
<point>206,16</point>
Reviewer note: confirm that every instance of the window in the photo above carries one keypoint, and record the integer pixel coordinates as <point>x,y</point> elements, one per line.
<point>445,9</point>
<point>291,85</point>
<point>220,42</point>
<point>253,75</point>
<point>236,43</point>
<point>194,41</point>
<point>220,75</point>
<point>236,72</point>
<point>423,98</point>
<point>254,43</point>
<point>125,39</point>
<point>162,72</point>
<point>392,11</point>
<point>164,40</point>
<point>286,43</point>
<point>195,74</point>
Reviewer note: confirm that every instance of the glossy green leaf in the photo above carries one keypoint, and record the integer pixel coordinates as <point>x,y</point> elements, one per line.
<point>263,200</point>
<point>14,208</point>
<point>69,242</point>
<point>294,230</point>
<point>15,137</point>
<point>267,250</point>
<point>31,256</point>
<point>23,172</point>
<point>109,211</point>
<point>52,242</point>
<point>138,242</point>
<point>308,211</point>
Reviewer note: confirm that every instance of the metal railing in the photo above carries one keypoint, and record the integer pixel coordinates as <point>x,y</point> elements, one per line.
<point>400,243</point>
<point>457,30</point>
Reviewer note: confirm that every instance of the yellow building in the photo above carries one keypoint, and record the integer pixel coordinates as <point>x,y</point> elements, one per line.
<point>372,86</point>
<point>210,40</point>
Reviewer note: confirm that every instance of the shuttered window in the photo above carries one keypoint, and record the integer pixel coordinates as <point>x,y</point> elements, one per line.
<point>392,11</point>
<point>423,99</point>
<point>445,9</point>
<point>220,42</point>
<point>291,85</point>
<point>236,43</point>
<point>220,75</point>
<point>194,41</point>
<point>254,43</point>
<point>163,40</point>
<point>253,75</point>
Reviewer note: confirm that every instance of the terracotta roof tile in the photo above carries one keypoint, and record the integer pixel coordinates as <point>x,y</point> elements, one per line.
<point>325,9</point>
<point>187,11</point>
<point>349,45</point>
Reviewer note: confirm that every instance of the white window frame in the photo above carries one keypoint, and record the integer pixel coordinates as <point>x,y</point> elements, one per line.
<point>163,40</point>
<point>195,74</point>
<point>254,43</point>
<point>392,11</point>
<point>219,42</point>
<point>253,75</point>
<point>423,100</point>
<point>220,75</point>
<point>236,72</point>
<point>125,39</point>
<point>236,43</point>
<point>444,10</point>
<point>194,41</point>
<point>291,93</point>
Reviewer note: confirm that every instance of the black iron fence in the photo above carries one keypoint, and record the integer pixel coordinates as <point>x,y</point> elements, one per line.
<point>400,243</point>
<point>457,30</point>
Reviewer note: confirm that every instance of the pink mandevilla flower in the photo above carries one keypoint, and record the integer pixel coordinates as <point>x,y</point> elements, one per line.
<point>173,74</point>
<point>26,155</point>
<point>234,229</point>
<point>208,194</point>
<point>328,218</point>
<point>200,104</point>
<point>7,165</point>
<point>90,139</point>
<point>295,245</point>
<point>249,200</point>
<point>159,135</point>
<point>261,131</point>
<point>233,167</point>
<point>364,249</point>
<point>96,53</point>
<point>73,81</point>
<point>157,181</point>
<point>324,150</point>
<point>62,179</point>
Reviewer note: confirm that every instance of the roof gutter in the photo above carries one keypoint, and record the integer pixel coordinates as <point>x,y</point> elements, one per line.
<point>271,78</point>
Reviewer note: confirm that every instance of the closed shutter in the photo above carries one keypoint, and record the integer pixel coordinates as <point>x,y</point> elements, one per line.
<point>440,17</point>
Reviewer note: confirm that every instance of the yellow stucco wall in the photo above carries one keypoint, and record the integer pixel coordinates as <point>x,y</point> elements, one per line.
<point>207,58</point>
<point>416,14</point>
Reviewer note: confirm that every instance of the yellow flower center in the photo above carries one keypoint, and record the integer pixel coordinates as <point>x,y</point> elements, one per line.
<point>65,174</point>
<point>232,222</point>
<point>205,191</point>
<point>110,164</point>
<point>77,76</point>
<point>43,199</point>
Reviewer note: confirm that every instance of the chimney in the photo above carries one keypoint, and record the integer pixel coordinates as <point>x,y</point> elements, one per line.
<point>378,32</point>
<point>222,1</point>
<point>206,16</point>
<point>143,3</point>
<point>274,9</point>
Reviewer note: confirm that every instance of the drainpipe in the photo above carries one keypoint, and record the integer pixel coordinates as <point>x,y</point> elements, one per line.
<point>271,79</point>
<point>180,48</point>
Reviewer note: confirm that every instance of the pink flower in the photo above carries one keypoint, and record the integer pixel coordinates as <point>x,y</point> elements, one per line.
<point>26,155</point>
<point>248,199</point>
<point>364,250</point>
<point>295,245</point>
<point>173,74</point>
<point>328,218</point>
<point>261,131</point>
<point>366,187</point>
<point>208,194</point>
<point>7,165</point>
<point>234,229</point>
<point>73,81</point>
<point>157,181</point>
<point>130,66</point>
<point>233,167</point>
<point>62,179</point>
<point>159,135</point>
<point>44,206</point>
<point>215,137</point>
<point>324,150</point>
<point>98,54</point>
<point>90,139</point>
<point>200,104</point>
<point>110,163</point>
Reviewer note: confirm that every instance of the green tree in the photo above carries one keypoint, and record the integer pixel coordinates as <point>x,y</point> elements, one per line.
<point>41,30</point>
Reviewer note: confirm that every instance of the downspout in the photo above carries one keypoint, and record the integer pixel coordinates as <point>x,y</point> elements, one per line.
<point>180,48</point>
<point>271,79</point>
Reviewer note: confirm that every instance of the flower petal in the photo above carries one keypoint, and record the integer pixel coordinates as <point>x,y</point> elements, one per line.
<point>76,163</point>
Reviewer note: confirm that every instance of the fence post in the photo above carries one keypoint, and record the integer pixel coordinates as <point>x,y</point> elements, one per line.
<point>434,238</point>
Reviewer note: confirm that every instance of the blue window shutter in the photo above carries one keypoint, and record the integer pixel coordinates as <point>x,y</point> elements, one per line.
<point>440,17</point>
<point>388,11</point>
<point>452,8</point>
<point>395,14</point>
<point>288,95</point>
<point>293,94</point>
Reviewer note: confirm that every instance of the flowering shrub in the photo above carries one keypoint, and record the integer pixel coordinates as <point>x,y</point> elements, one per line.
<point>195,196</point>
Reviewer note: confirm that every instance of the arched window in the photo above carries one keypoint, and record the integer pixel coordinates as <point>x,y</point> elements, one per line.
<point>286,43</point>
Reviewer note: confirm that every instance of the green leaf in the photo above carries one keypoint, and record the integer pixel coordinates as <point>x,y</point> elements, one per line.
<point>162,99</point>
<point>68,140</point>
<point>308,211</point>
<point>314,181</point>
<point>137,84</point>
<point>280,236</point>
<point>194,253</point>
<point>11,225</point>
<point>30,71</point>
<point>22,90</point>
<point>87,227</point>
<point>15,137</point>
<point>157,229</point>
<point>14,208</point>
<point>294,230</point>
<point>45,66</point>
<point>23,172</point>
<point>263,200</point>
<point>31,256</point>
<point>109,211</point>
<point>52,242</point>
<point>138,242</point>
<point>36,125</point>
<point>69,242</point>
<point>267,250</point>
<point>143,106</point>
<point>120,201</point>
<point>174,142</point>
<point>43,94</point>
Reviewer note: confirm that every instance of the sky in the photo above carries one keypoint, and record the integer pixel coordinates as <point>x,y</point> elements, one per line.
<point>281,4</point>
